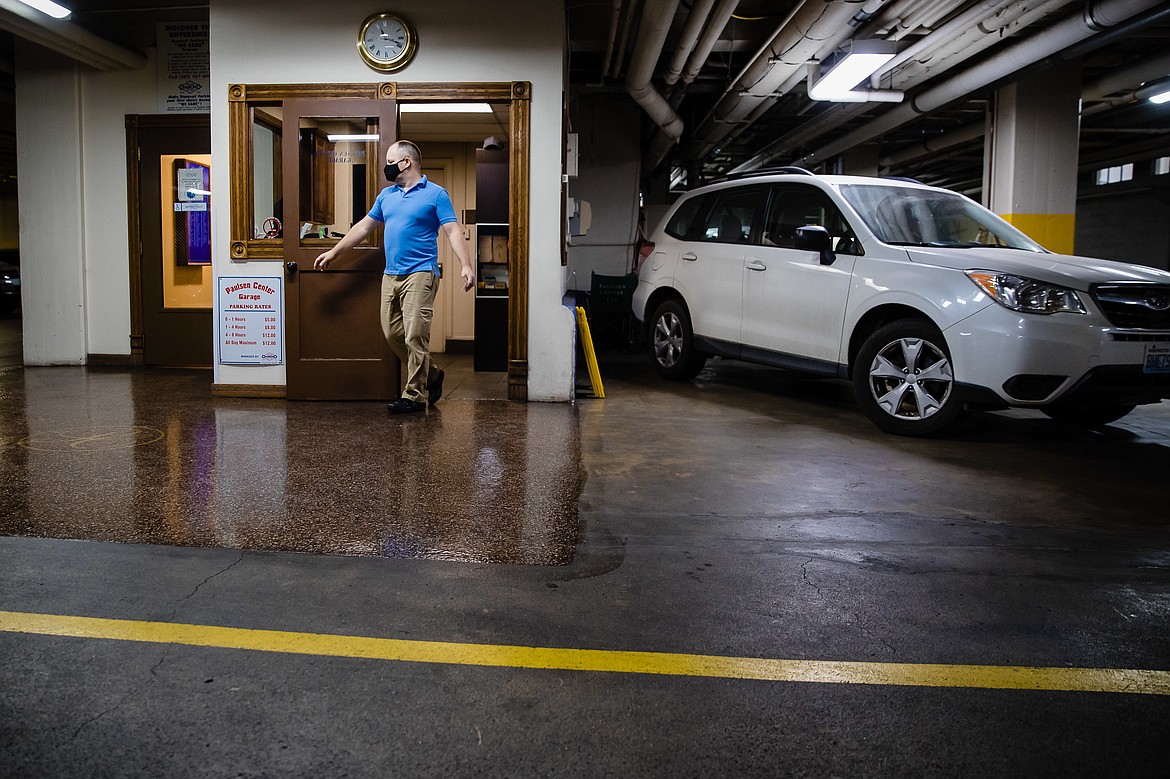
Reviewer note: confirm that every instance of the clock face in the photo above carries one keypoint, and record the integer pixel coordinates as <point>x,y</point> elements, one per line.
<point>387,42</point>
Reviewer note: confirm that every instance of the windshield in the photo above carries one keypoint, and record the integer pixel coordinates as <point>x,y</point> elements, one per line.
<point>920,217</point>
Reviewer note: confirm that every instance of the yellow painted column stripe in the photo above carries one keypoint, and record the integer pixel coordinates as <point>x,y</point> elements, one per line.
<point>1055,232</point>
<point>1146,682</point>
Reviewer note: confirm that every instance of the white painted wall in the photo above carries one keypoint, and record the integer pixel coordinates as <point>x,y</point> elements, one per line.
<point>74,248</point>
<point>263,41</point>
<point>71,142</point>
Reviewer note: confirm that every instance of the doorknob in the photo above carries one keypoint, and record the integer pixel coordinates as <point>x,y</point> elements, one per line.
<point>291,266</point>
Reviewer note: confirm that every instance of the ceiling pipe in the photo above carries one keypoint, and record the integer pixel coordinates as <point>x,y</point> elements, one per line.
<point>1064,34</point>
<point>945,52</point>
<point>687,39</point>
<point>715,26</point>
<point>1098,90</point>
<point>611,40</point>
<point>964,21</point>
<point>949,46</point>
<point>657,16</point>
<point>1136,74</point>
<point>802,34</point>
<point>67,38</point>
<point>939,143</point>
<point>620,60</point>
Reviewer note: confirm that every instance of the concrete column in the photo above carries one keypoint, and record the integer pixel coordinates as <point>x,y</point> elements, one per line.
<point>1032,155</point>
<point>52,257</point>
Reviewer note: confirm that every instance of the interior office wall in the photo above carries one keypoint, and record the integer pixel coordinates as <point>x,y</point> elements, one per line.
<point>454,309</point>
<point>608,144</point>
<point>262,42</point>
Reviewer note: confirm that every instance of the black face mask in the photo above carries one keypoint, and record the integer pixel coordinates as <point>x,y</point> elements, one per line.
<point>392,171</point>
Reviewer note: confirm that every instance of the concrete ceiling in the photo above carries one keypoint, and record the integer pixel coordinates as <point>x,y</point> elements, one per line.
<point>949,43</point>
<point>946,39</point>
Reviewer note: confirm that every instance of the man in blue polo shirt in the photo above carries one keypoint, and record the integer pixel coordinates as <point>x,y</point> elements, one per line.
<point>412,209</point>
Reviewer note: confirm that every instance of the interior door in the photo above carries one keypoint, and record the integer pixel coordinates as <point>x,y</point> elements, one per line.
<point>175,222</point>
<point>333,153</point>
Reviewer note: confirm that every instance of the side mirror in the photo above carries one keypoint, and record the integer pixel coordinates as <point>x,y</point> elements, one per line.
<point>815,238</point>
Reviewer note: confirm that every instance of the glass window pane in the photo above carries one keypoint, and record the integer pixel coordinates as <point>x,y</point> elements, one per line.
<point>267,174</point>
<point>339,174</point>
<point>186,230</point>
<point>734,215</point>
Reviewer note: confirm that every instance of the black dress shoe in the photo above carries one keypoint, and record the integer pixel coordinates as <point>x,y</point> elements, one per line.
<point>435,391</point>
<point>405,406</point>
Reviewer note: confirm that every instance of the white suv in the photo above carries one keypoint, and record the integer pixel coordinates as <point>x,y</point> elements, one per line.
<point>929,302</point>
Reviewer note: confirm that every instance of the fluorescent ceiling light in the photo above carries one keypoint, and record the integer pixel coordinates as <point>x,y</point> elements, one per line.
<point>1163,97</point>
<point>445,108</point>
<point>860,62</point>
<point>48,7</point>
<point>354,137</point>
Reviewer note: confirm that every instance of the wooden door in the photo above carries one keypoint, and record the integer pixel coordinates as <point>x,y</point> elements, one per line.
<point>174,169</point>
<point>334,151</point>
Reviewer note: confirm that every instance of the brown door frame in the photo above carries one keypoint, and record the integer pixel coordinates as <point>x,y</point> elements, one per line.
<point>134,226</point>
<point>518,94</point>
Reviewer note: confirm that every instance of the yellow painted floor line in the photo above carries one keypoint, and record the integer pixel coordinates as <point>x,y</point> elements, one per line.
<point>823,671</point>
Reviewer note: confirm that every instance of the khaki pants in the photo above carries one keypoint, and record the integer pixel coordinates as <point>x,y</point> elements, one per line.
<point>408,304</point>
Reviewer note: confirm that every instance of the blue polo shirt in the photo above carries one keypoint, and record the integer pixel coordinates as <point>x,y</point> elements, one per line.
<point>412,219</point>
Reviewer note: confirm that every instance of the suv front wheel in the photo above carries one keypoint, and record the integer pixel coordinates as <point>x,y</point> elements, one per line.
<point>672,343</point>
<point>904,381</point>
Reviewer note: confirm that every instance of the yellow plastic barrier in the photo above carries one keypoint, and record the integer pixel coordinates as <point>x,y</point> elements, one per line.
<point>590,356</point>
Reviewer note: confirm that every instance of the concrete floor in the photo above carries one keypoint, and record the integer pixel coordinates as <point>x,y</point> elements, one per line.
<point>747,514</point>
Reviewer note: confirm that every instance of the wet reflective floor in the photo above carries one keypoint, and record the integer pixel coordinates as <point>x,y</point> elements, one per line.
<point>149,456</point>
<point>748,514</point>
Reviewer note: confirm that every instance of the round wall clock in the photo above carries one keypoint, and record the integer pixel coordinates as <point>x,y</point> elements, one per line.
<point>387,42</point>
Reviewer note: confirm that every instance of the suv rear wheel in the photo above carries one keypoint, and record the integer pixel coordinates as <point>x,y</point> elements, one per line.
<point>904,381</point>
<point>672,343</point>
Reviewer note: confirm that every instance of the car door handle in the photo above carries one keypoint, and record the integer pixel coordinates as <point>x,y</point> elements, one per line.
<point>756,265</point>
<point>690,256</point>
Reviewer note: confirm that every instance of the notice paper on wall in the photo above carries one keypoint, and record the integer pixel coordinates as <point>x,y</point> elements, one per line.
<point>251,320</point>
<point>184,68</point>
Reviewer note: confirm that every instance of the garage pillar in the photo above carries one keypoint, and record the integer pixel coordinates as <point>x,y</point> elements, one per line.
<point>1031,165</point>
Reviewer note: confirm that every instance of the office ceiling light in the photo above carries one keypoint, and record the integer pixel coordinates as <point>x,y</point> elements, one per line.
<point>445,108</point>
<point>1161,97</point>
<point>853,66</point>
<point>48,7</point>
<point>353,137</point>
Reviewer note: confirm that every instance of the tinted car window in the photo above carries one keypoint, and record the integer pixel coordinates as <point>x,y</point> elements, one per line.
<point>795,206</point>
<point>682,222</point>
<point>735,215</point>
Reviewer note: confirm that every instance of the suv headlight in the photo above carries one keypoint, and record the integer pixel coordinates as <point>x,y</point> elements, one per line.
<point>1027,295</point>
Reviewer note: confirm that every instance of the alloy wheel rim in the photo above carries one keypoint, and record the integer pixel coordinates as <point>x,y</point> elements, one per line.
<point>668,340</point>
<point>911,379</point>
